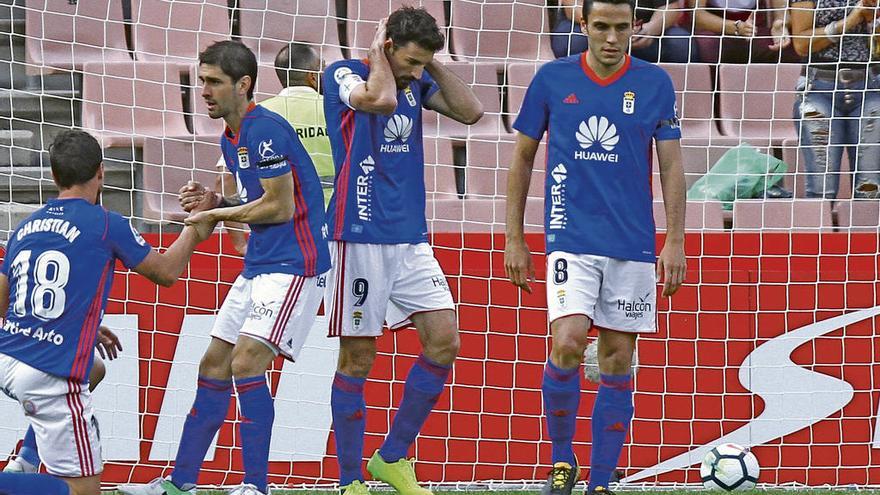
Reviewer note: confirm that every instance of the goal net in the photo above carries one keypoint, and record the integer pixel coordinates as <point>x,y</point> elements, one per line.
<point>771,343</point>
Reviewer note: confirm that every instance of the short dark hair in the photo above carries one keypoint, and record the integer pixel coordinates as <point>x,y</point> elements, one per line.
<point>294,62</point>
<point>234,59</point>
<point>408,24</point>
<point>588,5</point>
<point>75,157</point>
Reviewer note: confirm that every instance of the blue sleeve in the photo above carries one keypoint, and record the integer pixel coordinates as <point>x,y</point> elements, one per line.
<point>668,126</point>
<point>126,242</point>
<point>269,147</point>
<point>428,87</point>
<point>4,268</point>
<point>535,113</point>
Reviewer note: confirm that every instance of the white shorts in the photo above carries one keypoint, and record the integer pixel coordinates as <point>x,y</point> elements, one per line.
<point>371,284</point>
<point>60,410</point>
<point>276,308</point>
<point>615,294</point>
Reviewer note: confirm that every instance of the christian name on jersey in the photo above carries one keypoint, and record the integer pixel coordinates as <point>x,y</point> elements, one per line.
<point>597,131</point>
<point>56,225</point>
<point>396,134</point>
<point>364,189</point>
<point>558,214</point>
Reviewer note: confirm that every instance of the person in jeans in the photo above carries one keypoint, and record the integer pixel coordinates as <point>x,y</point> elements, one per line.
<point>657,36</point>
<point>838,104</point>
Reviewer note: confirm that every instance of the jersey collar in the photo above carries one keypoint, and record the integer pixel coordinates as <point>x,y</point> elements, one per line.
<point>608,80</point>
<point>297,90</point>
<point>232,137</point>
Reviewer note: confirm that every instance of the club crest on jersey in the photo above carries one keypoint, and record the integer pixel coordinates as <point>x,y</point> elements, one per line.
<point>629,102</point>
<point>410,97</point>
<point>243,157</point>
<point>560,296</point>
<point>356,318</point>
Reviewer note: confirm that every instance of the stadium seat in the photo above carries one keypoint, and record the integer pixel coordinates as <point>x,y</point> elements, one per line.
<point>63,35</point>
<point>125,102</point>
<point>500,31</point>
<point>518,77</point>
<point>699,215</point>
<point>782,214</point>
<point>169,163</point>
<point>176,31</point>
<point>479,215</point>
<point>440,182</point>
<point>483,80</point>
<point>858,214</point>
<point>267,25</point>
<point>756,102</point>
<point>363,16</point>
<point>693,96</point>
<point>488,163</point>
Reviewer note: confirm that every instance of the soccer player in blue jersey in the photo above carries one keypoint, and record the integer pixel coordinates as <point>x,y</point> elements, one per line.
<point>54,284</point>
<point>605,110</point>
<point>272,305</point>
<point>384,270</point>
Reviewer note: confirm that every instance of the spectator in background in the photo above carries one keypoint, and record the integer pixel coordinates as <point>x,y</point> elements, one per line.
<point>657,35</point>
<point>839,94</point>
<point>298,67</point>
<point>727,32</point>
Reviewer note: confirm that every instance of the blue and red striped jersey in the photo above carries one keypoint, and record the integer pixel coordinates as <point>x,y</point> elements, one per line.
<point>379,195</point>
<point>60,263</point>
<point>597,189</point>
<point>266,146</point>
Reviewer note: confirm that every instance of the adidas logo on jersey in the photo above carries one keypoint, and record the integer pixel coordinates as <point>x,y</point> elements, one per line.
<point>558,214</point>
<point>398,128</point>
<point>571,99</point>
<point>597,130</point>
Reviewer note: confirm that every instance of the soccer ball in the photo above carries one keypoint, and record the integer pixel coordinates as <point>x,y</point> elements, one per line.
<point>591,362</point>
<point>729,467</point>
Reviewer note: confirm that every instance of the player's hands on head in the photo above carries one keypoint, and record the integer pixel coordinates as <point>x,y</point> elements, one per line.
<point>108,344</point>
<point>195,197</point>
<point>671,267</point>
<point>518,265</point>
<point>377,47</point>
<point>203,222</point>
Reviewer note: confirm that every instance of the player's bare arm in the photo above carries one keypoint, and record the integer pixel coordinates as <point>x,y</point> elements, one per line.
<point>165,268</point>
<point>379,93</point>
<point>518,265</point>
<point>671,263</point>
<point>274,206</point>
<point>455,99</point>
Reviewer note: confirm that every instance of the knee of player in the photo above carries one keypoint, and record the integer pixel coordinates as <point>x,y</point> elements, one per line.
<point>617,361</point>
<point>444,349</point>
<point>569,346</point>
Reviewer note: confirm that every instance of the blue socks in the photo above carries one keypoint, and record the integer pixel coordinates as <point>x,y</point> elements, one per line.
<point>257,415</point>
<point>28,450</point>
<point>349,420</point>
<point>423,387</point>
<point>204,419</point>
<point>561,390</point>
<point>612,414</point>
<point>28,484</point>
